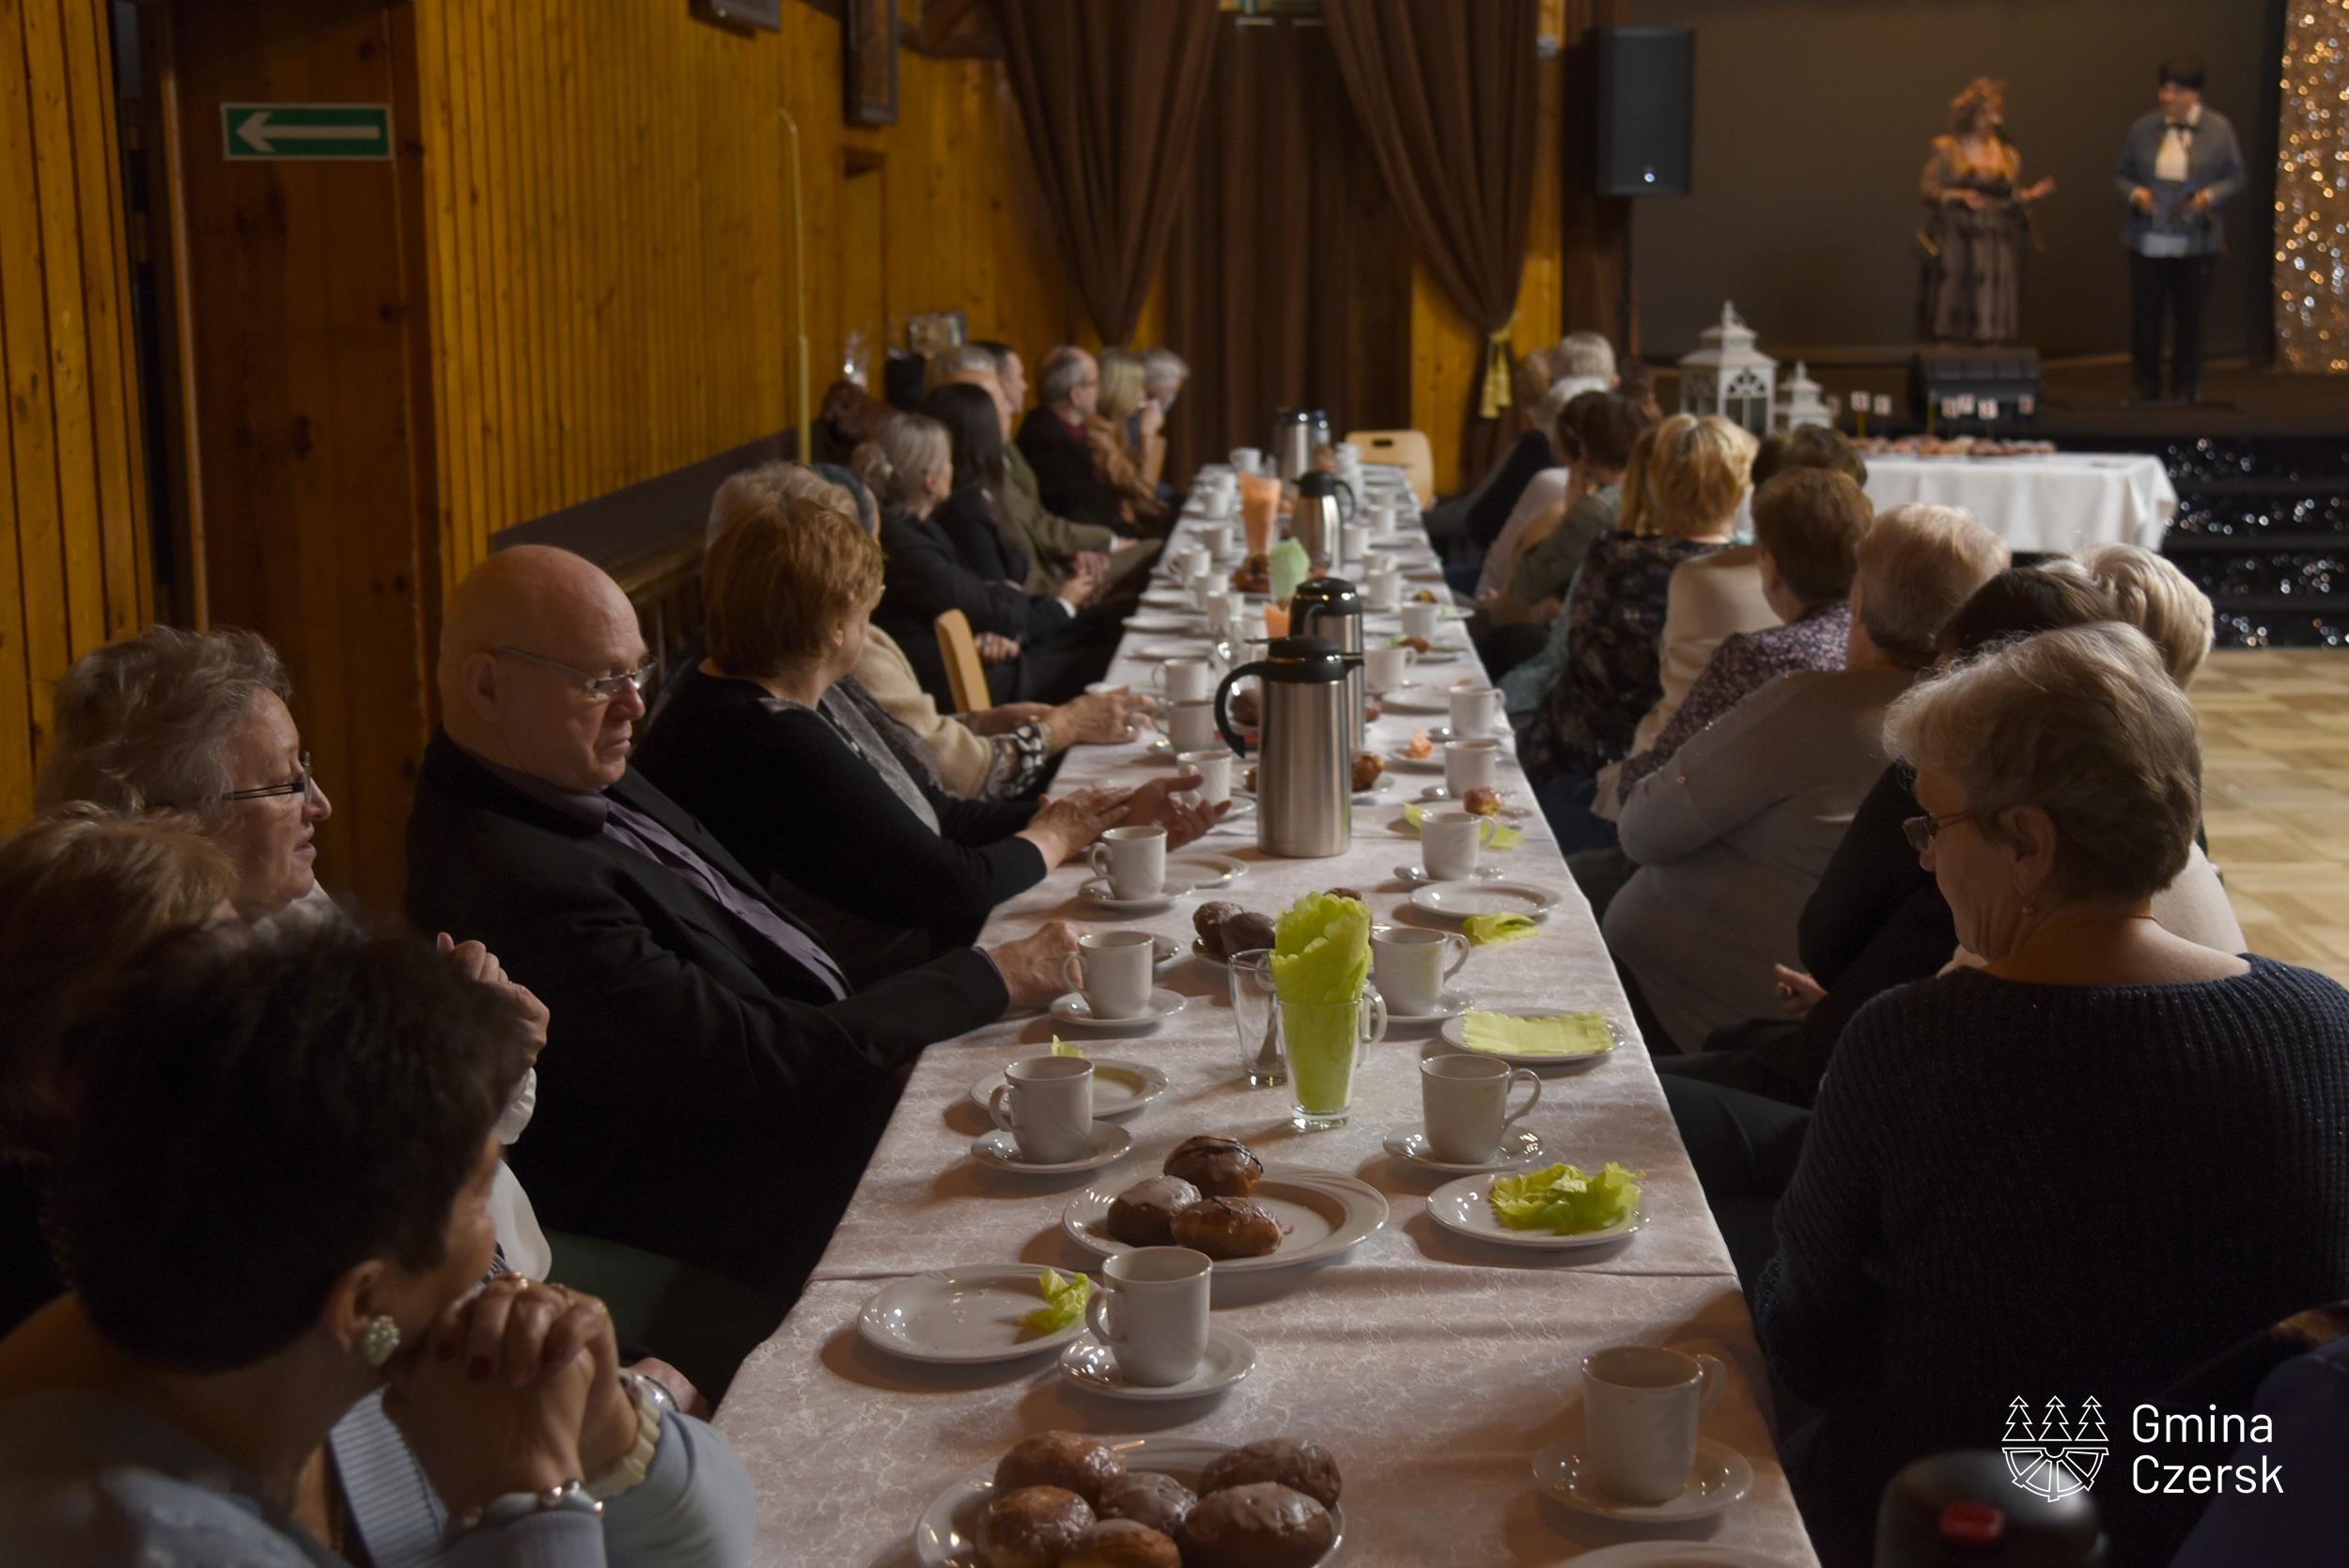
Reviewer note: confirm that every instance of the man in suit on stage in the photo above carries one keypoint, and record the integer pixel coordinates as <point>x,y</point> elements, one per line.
<point>2178,167</point>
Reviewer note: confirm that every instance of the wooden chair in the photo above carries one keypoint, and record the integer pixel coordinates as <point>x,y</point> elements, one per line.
<point>1407,450</point>
<point>966,674</point>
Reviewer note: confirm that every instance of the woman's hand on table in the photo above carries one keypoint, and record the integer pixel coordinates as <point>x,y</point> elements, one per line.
<point>1157,803</point>
<point>1065,824</point>
<point>1798,990</point>
<point>1100,719</point>
<point>1003,717</point>
<point>1033,967</point>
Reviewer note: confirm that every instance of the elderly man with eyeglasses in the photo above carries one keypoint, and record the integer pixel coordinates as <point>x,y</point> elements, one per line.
<point>718,1085</point>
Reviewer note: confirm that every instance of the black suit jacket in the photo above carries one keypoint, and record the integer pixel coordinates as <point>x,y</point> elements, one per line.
<point>968,520</point>
<point>924,576</point>
<point>1064,475</point>
<point>700,1095</point>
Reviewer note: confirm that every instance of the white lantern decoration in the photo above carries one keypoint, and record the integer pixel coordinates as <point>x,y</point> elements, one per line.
<point>1801,403</point>
<point>1729,375</point>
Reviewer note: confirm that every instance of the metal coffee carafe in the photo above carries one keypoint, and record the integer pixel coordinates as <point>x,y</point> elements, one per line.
<point>1304,764</point>
<point>1297,435</point>
<point>1317,519</point>
<point>1331,607</point>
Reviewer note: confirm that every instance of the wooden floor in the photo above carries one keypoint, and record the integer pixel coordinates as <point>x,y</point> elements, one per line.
<point>2276,797</point>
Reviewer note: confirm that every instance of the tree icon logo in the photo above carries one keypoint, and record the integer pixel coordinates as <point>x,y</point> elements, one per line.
<point>2058,1455</point>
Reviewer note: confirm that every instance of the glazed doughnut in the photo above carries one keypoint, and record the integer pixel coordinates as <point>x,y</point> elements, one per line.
<point>1264,1524</point>
<point>1159,1501</point>
<point>1068,1460</point>
<point>1143,1214</point>
<point>1227,1228</point>
<point>1031,1527</point>
<point>1123,1543</point>
<point>1217,1166</point>
<point>1301,1466</point>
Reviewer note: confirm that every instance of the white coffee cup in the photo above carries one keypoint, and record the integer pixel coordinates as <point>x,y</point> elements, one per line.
<point>1113,969</point>
<point>1214,538</point>
<point>1385,668</point>
<point>1448,842</point>
<point>1213,764</point>
<point>1045,1104</point>
<point>1385,587</point>
<point>1355,539</point>
<point>1420,620</point>
<point>1190,726</point>
<point>1470,765</point>
<point>1246,460</point>
<point>1184,680</point>
<point>1464,1102</point>
<point>1223,611</point>
<point>1408,963</point>
<point>1640,1406</point>
<point>1215,501</point>
<point>1475,710</point>
<point>1133,858</point>
<point>1382,519</point>
<point>1151,1311</point>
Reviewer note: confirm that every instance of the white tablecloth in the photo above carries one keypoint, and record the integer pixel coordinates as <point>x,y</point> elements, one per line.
<point>1433,1367</point>
<point>2058,504</point>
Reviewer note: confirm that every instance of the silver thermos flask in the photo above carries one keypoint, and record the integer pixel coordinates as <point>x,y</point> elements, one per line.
<point>1305,760</point>
<point>1331,607</point>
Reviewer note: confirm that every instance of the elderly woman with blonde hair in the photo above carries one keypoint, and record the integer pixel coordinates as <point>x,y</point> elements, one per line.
<point>1130,461</point>
<point>2089,1166</point>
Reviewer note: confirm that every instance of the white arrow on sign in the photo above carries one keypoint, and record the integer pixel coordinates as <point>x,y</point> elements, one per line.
<point>257,133</point>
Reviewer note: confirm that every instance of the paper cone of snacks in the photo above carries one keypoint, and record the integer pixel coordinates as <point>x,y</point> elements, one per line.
<point>1320,969</point>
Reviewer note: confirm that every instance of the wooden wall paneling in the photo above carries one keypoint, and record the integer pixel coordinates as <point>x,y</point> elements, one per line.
<point>433,130</point>
<point>16,666</point>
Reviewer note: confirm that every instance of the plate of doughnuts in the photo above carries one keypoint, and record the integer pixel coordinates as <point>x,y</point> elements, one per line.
<point>1213,1195</point>
<point>1152,1500</point>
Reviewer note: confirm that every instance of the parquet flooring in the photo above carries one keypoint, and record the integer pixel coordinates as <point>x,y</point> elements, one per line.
<point>2276,797</point>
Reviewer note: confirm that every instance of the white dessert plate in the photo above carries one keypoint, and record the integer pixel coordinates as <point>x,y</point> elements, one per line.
<point>1719,1480</point>
<point>1456,1033</point>
<point>942,1537</point>
<point>1154,652</point>
<point>1090,1365</point>
<point>1166,624</point>
<point>1070,1007</point>
<point>1119,1088</point>
<point>1420,877</point>
<point>1410,698</point>
<point>1321,1214</point>
<point>1203,871</point>
<point>1096,893</point>
<point>1000,1151</point>
<point>1459,900</point>
<point>1519,1147</point>
<point>1461,1206</point>
<point>1404,762</point>
<point>960,1316</point>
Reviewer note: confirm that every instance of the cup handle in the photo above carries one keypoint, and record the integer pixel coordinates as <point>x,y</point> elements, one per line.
<point>1072,973</point>
<point>1530,1075</point>
<point>1711,1381</point>
<point>1450,938</point>
<point>1097,1314</point>
<point>1095,858</point>
<point>1374,1024</point>
<point>999,1109</point>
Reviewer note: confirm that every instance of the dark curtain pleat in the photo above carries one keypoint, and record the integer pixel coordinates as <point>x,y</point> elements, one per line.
<point>1447,92</point>
<point>1287,279</point>
<point>1111,95</point>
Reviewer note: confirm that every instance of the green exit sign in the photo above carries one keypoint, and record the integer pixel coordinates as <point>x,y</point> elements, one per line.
<point>341,132</point>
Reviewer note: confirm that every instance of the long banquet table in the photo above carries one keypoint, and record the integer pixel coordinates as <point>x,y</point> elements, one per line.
<point>1434,1367</point>
<point>2059,503</point>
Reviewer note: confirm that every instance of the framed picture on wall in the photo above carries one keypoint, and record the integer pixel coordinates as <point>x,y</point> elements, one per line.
<point>869,30</point>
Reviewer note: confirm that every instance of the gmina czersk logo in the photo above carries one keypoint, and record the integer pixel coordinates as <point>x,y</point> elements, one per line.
<point>2055,1457</point>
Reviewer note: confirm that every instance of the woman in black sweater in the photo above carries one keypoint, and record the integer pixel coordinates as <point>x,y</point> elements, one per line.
<point>783,756</point>
<point>2084,1169</point>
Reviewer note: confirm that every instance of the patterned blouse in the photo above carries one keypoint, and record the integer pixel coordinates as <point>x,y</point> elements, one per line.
<point>1611,676</point>
<point>1744,663</point>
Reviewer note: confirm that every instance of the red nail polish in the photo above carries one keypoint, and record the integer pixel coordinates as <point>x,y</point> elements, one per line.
<point>479,1368</point>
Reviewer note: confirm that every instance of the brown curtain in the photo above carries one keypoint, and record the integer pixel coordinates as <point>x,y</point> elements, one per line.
<point>1287,279</point>
<point>1111,95</point>
<point>1447,92</point>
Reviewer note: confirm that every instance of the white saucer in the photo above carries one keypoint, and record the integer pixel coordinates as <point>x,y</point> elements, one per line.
<point>1072,1008</point>
<point>1403,762</point>
<point>1458,900</point>
<point>962,1317</point>
<point>1088,1363</point>
<point>1464,1206</point>
<point>1167,625</point>
<point>1443,653</point>
<point>1096,893</point>
<point>1205,871</point>
<point>1419,877</point>
<point>1167,598</point>
<point>1720,1480</point>
<point>1157,652</point>
<point>1119,1088</point>
<point>1410,698</point>
<point>1000,1151</point>
<point>1519,1147</point>
<point>1449,1005</point>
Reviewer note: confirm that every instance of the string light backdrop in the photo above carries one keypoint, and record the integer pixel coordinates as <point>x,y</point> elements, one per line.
<point>2312,190</point>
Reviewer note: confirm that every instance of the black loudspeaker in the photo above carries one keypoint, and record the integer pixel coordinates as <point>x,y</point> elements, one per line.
<point>1973,390</point>
<point>1646,96</point>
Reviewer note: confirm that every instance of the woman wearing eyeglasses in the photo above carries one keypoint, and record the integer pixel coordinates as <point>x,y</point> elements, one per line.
<point>2085,1168</point>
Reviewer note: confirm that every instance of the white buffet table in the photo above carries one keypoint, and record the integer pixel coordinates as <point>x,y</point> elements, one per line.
<point>2057,504</point>
<point>1432,1366</point>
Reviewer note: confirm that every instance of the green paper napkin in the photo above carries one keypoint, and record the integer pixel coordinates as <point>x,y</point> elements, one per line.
<point>1065,1298</point>
<point>1556,1034</point>
<point>1559,1199</point>
<point>1484,930</point>
<point>1287,566</point>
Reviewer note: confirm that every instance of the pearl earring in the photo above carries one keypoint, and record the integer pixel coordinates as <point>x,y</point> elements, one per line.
<point>379,1342</point>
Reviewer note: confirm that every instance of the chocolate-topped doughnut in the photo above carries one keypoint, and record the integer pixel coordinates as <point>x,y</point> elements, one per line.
<point>1123,1543</point>
<point>1159,1501</point>
<point>1030,1527</point>
<point>1307,1467</point>
<point>1263,1525</point>
<point>1143,1214</point>
<point>1227,1228</point>
<point>1217,1166</point>
<point>1068,1460</point>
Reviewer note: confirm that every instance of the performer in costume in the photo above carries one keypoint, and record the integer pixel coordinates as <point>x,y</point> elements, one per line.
<point>2178,167</point>
<point>1976,224</point>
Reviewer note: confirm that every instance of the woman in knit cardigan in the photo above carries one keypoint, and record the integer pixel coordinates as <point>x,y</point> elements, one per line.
<point>2083,1169</point>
